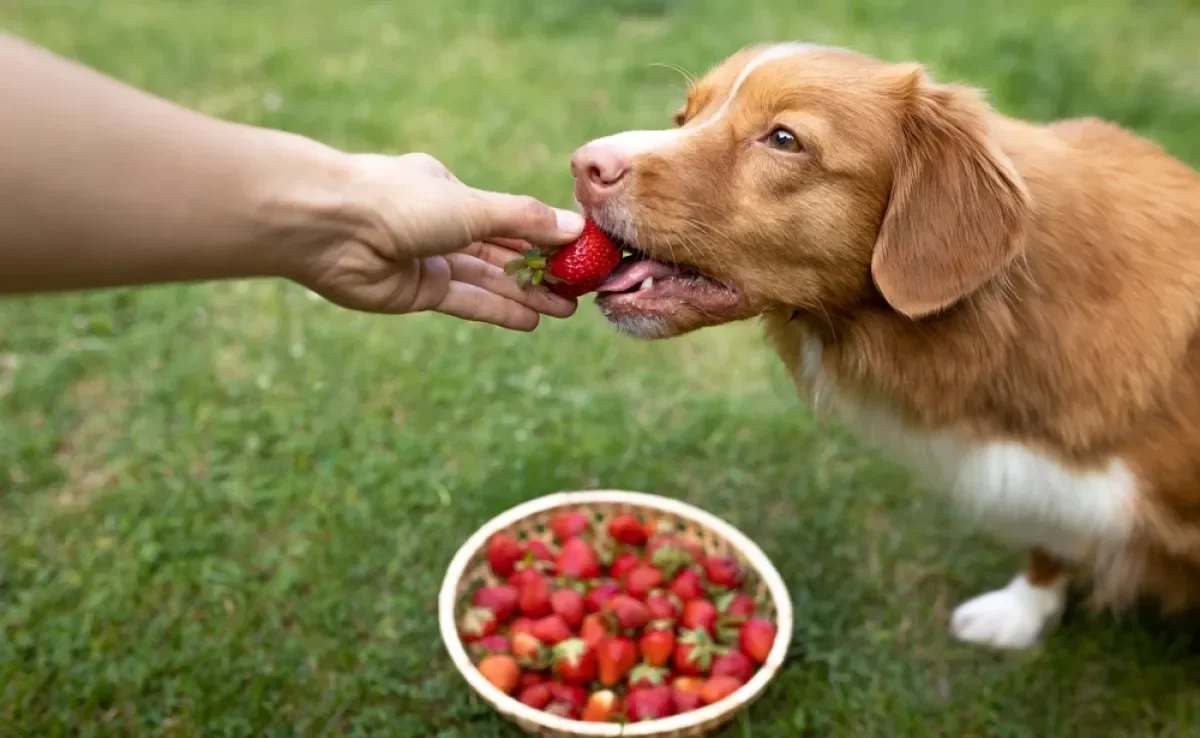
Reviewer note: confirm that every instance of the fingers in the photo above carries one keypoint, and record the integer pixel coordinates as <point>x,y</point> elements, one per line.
<point>525,218</point>
<point>470,302</point>
<point>486,270</point>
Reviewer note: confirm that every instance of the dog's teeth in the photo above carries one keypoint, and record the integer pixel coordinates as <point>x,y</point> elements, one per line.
<point>647,283</point>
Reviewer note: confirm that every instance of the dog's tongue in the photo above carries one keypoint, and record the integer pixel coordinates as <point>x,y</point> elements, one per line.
<point>632,272</point>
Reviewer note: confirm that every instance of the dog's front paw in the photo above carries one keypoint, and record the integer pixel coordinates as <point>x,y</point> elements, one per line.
<point>1013,617</point>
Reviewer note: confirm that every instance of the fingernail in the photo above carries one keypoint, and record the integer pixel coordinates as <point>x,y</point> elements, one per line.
<point>569,222</point>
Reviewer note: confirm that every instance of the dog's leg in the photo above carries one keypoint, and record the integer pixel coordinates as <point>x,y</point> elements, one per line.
<point>1016,616</point>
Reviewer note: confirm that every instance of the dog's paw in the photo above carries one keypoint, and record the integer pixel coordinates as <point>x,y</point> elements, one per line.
<point>1013,617</point>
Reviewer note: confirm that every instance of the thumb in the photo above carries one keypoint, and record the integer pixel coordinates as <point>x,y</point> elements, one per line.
<point>526,218</point>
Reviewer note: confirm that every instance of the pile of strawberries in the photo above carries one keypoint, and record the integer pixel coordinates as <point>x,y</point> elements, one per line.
<point>656,629</point>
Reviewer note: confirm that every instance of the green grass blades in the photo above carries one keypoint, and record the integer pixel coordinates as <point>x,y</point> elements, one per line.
<point>227,509</point>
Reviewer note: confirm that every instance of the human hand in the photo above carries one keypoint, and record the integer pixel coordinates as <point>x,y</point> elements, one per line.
<point>423,240</point>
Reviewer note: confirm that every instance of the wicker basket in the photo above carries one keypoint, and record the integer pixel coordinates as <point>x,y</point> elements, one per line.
<point>528,521</point>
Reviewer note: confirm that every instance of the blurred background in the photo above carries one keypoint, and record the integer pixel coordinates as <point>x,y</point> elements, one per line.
<point>226,509</point>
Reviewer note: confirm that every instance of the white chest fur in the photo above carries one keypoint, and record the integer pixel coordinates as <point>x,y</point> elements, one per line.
<point>1017,493</point>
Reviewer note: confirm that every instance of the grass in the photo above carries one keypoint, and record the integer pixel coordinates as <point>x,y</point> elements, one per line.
<point>226,508</point>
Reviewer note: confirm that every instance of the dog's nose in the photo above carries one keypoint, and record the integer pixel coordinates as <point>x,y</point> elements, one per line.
<point>599,172</point>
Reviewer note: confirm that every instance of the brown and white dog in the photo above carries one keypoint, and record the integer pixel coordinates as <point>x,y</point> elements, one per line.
<point>1011,308</point>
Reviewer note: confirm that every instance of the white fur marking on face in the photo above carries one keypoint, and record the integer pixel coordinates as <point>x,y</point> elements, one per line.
<point>1013,617</point>
<point>1017,493</point>
<point>633,143</point>
<point>645,327</point>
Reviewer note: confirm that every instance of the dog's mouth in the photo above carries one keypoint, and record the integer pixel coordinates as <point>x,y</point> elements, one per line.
<point>643,285</point>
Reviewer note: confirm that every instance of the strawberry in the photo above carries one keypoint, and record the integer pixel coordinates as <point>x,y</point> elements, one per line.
<point>642,579</point>
<point>476,624</point>
<point>662,605</point>
<point>571,695</point>
<point>493,644</point>
<point>687,586</point>
<point>650,703</point>
<point>533,598</point>
<point>733,664</point>
<point>568,605</point>
<point>657,644</point>
<point>528,651</point>
<point>601,707</point>
<point>521,625</point>
<point>575,661</point>
<point>615,656</point>
<point>622,565</point>
<point>539,554</point>
<point>693,653</point>
<point>666,548</point>
<point>503,553</point>
<point>530,679</point>
<point>756,639</point>
<point>718,688</point>
<point>523,575</point>
<point>577,560</point>
<point>572,270</point>
<point>593,629</point>
<point>599,596</point>
<point>551,630</point>
<point>737,606</point>
<point>569,524</point>
<point>627,529</point>
<point>644,676</point>
<point>536,696</point>
<point>630,614</point>
<point>686,693</point>
<point>699,614</point>
<point>501,599</point>
<point>502,671</point>
<point>724,571</point>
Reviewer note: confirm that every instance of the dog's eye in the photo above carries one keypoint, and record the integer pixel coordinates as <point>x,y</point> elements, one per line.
<point>782,139</point>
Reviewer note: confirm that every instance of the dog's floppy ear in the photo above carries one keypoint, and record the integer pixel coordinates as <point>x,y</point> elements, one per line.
<point>958,208</point>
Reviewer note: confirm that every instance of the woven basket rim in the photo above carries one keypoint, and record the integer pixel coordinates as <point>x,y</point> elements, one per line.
<point>513,708</point>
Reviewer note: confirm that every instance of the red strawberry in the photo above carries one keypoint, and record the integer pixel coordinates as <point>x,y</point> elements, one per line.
<point>502,671</point>
<point>569,524</point>
<point>693,653</point>
<point>724,571</point>
<point>501,599</point>
<point>572,695</point>
<point>684,550</point>
<point>521,625</point>
<point>650,703</point>
<point>575,661</point>
<point>627,529</point>
<point>657,644</point>
<point>523,575</point>
<point>476,624</point>
<point>686,694</point>
<point>642,579</point>
<point>630,614</point>
<point>622,565</point>
<point>615,656</point>
<point>644,676</point>
<point>733,664</point>
<point>687,586</point>
<point>528,651</point>
<point>538,552</point>
<point>718,688</point>
<point>503,553</point>
<point>599,596</point>
<point>529,679</point>
<point>573,270</point>
<point>533,598</point>
<point>739,606</point>
<point>577,560</point>
<point>536,696</point>
<point>551,630</point>
<point>663,606</point>
<point>593,629</point>
<point>756,639</point>
<point>601,707</point>
<point>700,614</point>
<point>493,644</point>
<point>568,604</point>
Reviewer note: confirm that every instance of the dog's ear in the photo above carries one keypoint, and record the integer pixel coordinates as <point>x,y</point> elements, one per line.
<point>958,208</point>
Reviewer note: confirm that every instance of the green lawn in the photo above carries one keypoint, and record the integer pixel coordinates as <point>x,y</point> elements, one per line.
<point>226,509</point>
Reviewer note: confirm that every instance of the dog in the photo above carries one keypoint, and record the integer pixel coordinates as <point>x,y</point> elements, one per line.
<point>1010,308</point>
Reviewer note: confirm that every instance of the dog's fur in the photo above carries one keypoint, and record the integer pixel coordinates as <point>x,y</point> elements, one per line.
<point>1011,307</point>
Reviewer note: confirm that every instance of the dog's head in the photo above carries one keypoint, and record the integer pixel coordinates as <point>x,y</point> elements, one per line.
<point>802,178</point>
